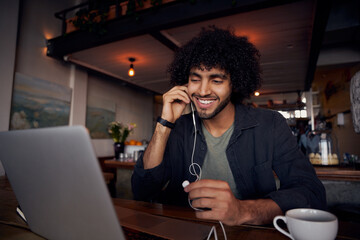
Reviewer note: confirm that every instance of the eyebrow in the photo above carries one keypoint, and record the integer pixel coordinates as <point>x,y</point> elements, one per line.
<point>216,75</point>
<point>194,74</point>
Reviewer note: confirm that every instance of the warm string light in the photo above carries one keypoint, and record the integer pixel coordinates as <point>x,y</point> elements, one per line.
<point>131,71</point>
<point>257,94</point>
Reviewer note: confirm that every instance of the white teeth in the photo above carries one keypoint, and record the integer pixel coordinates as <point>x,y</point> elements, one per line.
<point>206,101</point>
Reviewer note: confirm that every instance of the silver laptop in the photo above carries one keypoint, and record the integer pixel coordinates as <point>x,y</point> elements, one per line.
<point>59,185</point>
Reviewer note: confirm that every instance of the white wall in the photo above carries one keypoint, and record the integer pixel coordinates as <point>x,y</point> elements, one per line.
<point>29,58</point>
<point>8,27</point>
<point>38,23</point>
<point>131,107</point>
<point>78,83</point>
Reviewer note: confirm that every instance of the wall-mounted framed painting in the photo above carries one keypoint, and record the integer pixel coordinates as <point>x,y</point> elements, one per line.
<point>37,103</point>
<point>99,113</point>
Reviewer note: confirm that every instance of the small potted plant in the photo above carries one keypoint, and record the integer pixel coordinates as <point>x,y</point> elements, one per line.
<point>119,133</point>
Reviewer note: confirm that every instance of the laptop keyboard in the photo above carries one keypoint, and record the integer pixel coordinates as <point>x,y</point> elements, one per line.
<point>131,234</point>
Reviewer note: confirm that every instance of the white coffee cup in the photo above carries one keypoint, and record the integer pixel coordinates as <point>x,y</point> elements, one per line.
<point>308,224</point>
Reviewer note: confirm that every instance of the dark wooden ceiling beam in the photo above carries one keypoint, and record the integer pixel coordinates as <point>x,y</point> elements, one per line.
<point>169,15</point>
<point>322,13</point>
<point>164,40</point>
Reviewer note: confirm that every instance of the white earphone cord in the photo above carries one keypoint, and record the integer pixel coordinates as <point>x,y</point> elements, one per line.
<point>193,172</point>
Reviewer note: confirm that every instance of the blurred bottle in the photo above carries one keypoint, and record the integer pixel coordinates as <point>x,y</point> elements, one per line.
<point>322,149</point>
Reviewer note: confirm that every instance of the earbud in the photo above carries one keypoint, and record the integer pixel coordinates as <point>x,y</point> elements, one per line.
<point>185,183</point>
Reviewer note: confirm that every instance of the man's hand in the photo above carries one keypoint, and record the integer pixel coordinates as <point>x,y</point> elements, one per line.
<point>174,103</point>
<point>217,196</point>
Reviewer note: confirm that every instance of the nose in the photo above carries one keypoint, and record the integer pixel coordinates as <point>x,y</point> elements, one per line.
<point>204,88</point>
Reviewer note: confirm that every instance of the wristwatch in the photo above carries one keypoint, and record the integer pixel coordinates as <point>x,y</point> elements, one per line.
<point>165,123</point>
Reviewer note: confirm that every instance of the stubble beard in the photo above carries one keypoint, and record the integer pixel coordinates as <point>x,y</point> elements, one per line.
<point>218,109</point>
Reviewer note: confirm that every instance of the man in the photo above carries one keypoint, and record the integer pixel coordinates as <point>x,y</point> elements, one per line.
<point>237,147</point>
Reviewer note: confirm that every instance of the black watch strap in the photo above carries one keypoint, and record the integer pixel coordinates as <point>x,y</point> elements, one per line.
<point>165,123</point>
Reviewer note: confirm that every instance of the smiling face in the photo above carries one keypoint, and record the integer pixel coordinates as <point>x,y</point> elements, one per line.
<point>210,90</point>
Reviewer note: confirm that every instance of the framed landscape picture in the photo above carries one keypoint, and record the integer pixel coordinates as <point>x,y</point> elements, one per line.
<point>99,113</point>
<point>37,103</point>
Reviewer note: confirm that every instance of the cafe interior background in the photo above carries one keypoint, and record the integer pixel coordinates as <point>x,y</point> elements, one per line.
<point>310,52</point>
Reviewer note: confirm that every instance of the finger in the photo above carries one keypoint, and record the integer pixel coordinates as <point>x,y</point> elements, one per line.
<point>176,99</point>
<point>209,215</point>
<point>179,88</point>
<point>209,193</point>
<point>183,95</point>
<point>212,203</point>
<point>207,183</point>
<point>174,95</point>
<point>183,88</point>
<point>204,203</point>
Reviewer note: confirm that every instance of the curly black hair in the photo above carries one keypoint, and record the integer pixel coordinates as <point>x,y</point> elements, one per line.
<point>215,47</point>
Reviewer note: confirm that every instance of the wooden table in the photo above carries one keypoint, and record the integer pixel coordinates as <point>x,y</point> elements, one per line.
<point>117,164</point>
<point>12,226</point>
<point>337,173</point>
<point>323,172</point>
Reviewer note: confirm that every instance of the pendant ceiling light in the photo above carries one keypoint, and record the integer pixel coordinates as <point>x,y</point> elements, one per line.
<point>131,69</point>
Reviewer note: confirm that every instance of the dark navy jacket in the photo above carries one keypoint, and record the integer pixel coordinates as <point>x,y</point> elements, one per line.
<point>261,144</point>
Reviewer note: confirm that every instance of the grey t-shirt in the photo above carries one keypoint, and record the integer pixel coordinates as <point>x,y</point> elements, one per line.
<point>216,165</point>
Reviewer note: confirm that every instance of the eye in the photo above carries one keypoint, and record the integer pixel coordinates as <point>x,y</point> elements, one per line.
<point>194,80</point>
<point>218,81</point>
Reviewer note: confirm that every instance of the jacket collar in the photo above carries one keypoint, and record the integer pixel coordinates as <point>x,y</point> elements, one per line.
<point>243,121</point>
<point>244,118</point>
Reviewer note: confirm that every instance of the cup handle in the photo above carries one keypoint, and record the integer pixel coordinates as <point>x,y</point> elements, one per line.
<point>279,228</point>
